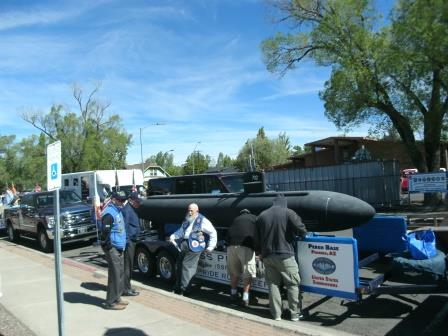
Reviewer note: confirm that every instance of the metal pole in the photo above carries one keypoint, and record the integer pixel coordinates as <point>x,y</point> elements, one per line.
<point>57,264</point>
<point>194,150</point>
<point>141,152</point>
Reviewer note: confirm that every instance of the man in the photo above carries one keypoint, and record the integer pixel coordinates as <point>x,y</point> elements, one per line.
<point>275,231</point>
<point>192,243</point>
<point>132,225</point>
<point>113,243</point>
<point>240,254</point>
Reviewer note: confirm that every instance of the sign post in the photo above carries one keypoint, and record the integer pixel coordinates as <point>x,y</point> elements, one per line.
<point>54,183</point>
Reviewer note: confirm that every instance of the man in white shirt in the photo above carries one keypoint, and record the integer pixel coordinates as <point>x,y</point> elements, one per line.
<point>192,238</point>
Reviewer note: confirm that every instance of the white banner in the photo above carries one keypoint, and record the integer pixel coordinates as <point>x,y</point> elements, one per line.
<point>427,182</point>
<point>213,267</point>
<point>327,266</point>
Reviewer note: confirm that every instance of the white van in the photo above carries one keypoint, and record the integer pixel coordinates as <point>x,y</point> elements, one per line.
<point>95,186</point>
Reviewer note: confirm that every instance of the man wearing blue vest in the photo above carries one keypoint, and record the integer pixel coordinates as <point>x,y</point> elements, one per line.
<point>132,224</point>
<point>192,242</point>
<point>113,243</point>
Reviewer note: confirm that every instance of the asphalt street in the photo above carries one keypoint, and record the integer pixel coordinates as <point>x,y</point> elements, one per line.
<point>410,314</point>
<point>399,314</point>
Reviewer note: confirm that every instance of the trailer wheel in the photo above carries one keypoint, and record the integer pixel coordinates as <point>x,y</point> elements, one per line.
<point>145,261</point>
<point>166,266</point>
<point>13,235</point>
<point>45,243</point>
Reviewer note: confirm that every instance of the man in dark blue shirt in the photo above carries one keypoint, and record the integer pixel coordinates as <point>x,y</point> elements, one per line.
<point>132,223</point>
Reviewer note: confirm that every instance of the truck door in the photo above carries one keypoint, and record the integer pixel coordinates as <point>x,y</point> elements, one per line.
<point>28,214</point>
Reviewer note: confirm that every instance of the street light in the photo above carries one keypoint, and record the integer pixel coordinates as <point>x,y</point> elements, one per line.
<point>141,144</point>
<point>194,151</point>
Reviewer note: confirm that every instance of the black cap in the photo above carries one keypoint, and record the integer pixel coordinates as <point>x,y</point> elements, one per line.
<point>134,196</point>
<point>119,195</point>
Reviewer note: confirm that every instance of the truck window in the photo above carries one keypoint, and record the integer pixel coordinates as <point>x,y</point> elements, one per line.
<point>213,185</point>
<point>233,183</point>
<point>45,200</point>
<point>84,188</point>
<point>189,185</point>
<point>66,182</point>
<point>160,186</point>
<point>69,197</point>
<point>27,200</point>
<point>75,182</point>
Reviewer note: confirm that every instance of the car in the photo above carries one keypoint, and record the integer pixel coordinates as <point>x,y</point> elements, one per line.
<point>404,180</point>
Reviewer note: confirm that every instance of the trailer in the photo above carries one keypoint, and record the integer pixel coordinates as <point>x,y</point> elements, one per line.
<point>329,266</point>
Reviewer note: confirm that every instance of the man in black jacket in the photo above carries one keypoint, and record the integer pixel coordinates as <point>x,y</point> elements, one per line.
<point>132,223</point>
<point>276,229</point>
<point>240,254</point>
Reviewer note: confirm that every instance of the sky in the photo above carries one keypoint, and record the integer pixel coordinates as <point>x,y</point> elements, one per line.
<point>186,74</point>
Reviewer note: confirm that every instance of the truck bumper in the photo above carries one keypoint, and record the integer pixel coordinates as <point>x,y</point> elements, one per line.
<point>75,234</point>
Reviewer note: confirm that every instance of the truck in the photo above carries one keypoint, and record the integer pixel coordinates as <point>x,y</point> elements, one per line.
<point>33,217</point>
<point>96,185</point>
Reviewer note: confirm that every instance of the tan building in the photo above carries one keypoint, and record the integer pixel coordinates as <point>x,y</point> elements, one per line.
<point>337,150</point>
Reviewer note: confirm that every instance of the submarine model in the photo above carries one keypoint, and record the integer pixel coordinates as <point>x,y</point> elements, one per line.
<point>321,211</point>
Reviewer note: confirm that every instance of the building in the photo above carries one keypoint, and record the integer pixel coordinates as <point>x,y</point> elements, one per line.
<point>150,171</point>
<point>338,150</point>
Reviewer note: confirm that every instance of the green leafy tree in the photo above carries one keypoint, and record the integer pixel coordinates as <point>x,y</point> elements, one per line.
<point>163,159</point>
<point>397,72</point>
<point>262,152</point>
<point>90,139</point>
<point>7,160</point>
<point>196,163</point>
<point>32,163</point>
<point>224,161</point>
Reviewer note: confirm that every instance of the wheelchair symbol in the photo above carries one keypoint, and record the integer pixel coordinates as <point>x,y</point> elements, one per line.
<point>54,171</point>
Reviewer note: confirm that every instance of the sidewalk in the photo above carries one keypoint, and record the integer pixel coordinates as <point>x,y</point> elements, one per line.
<point>28,287</point>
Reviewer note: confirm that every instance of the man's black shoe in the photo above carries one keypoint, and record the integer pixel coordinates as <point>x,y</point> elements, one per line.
<point>131,293</point>
<point>234,299</point>
<point>185,292</point>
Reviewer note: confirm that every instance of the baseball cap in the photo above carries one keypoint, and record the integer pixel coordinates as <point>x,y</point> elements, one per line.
<point>119,195</point>
<point>134,196</point>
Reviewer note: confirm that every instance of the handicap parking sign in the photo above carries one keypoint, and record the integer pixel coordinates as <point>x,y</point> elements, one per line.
<point>54,166</point>
<point>54,171</point>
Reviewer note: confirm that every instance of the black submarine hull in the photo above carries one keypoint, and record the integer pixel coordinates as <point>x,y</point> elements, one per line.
<point>321,211</point>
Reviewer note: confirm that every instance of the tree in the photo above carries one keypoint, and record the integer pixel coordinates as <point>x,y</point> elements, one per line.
<point>90,140</point>
<point>196,163</point>
<point>224,161</point>
<point>398,71</point>
<point>163,159</point>
<point>264,152</point>
<point>7,160</point>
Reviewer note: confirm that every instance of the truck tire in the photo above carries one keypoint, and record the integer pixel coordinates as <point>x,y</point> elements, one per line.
<point>166,266</point>
<point>13,235</point>
<point>145,261</point>
<point>45,243</point>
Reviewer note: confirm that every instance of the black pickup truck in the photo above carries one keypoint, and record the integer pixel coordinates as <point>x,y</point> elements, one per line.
<point>33,217</point>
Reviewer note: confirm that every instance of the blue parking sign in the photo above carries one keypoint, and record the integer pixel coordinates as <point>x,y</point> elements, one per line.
<point>54,171</point>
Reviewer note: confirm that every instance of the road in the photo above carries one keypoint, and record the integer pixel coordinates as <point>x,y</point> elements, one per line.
<point>373,316</point>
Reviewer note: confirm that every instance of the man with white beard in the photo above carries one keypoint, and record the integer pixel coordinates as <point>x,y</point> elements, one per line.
<point>195,235</point>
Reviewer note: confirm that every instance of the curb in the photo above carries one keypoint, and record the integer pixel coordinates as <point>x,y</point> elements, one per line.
<point>302,329</point>
<point>285,325</point>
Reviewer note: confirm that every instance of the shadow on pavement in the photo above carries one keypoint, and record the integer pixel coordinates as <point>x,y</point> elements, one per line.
<point>372,307</point>
<point>425,319</point>
<point>125,331</point>
<point>94,286</point>
<point>76,297</point>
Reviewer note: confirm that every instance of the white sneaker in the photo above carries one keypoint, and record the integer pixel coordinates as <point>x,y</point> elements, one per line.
<point>278,319</point>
